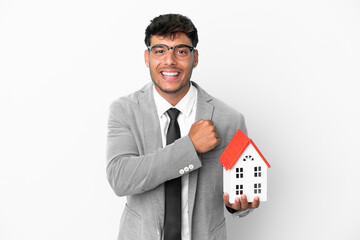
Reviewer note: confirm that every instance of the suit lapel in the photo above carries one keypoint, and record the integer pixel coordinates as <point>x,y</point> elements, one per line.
<point>205,112</point>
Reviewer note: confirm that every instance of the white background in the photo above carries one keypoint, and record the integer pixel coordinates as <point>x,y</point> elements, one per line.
<point>291,67</point>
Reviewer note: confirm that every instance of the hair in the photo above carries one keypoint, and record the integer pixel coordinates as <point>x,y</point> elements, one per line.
<point>168,25</point>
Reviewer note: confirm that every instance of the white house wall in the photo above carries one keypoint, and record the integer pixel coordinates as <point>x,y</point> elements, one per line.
<point>248,180</point>
<point>226,181</point>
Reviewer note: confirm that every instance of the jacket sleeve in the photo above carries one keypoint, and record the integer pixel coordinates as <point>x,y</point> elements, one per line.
<point>129,172</point>
<point>239,213</point>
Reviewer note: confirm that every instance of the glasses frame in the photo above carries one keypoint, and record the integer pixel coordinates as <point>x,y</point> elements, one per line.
<point>192,49</point>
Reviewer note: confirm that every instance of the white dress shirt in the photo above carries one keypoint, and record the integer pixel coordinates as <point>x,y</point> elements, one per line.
<point>187,108</point>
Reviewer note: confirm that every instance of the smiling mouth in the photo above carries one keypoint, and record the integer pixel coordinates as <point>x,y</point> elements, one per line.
<point>170,74</point>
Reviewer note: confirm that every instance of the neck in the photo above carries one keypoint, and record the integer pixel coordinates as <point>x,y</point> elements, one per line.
<point>173,98</point>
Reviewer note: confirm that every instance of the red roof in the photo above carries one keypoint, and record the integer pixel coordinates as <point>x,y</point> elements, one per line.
<point>235,148</point>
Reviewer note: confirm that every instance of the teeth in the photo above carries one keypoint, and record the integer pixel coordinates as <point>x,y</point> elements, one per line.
<point>170,73</point>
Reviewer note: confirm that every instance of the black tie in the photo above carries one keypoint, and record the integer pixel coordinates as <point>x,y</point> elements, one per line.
<point>172,225</point>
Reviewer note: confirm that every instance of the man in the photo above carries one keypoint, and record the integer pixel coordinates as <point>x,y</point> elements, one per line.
<point>151,170</point>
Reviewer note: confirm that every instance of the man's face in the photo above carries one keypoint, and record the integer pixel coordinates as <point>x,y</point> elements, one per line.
<point>171,75</point>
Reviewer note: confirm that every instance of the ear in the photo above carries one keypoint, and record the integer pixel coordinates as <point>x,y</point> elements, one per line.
<point>196,58</point>
<point>146,57</point>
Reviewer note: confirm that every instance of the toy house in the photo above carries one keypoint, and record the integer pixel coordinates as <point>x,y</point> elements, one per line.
<point>245,169</point>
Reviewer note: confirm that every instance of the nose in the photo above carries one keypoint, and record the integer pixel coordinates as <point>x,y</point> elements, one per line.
<point>170,58</point>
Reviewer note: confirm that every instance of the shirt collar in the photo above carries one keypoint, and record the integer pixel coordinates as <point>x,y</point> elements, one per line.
<point>185,105</point>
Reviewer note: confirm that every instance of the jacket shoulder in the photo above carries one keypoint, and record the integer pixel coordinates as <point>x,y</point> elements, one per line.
<point>220,107</point>
<point>130,101</point>
<point>226,110</point>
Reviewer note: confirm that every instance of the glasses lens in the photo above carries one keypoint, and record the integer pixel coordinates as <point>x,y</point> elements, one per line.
<point>182,51</point>
<point>159,51</point>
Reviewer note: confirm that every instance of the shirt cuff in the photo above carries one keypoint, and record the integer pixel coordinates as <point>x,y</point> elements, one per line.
<point>239,213</point>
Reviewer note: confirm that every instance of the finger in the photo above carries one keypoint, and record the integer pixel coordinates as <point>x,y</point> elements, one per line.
<point>226,199</point>
<point>210,122</point>
<point>244,202</point>
<point>217,141</point>
<point>237,204</point>
<point>217,136</point>
<point>256,202</point>
<point>198,122</point>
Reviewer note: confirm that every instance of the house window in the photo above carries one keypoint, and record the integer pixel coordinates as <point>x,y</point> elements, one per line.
<point>248,157</point>
<point>239,189</point>
<point>257,171</point>
<point>257,188</point>
<point>239,173</point>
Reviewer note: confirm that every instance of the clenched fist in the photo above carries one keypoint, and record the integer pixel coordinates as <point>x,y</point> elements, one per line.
<point>204,136</point>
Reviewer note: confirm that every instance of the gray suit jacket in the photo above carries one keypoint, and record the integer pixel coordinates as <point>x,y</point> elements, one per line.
<point>138,165</point>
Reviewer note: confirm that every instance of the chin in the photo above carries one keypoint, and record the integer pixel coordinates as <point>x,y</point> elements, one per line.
<point>171,90</point>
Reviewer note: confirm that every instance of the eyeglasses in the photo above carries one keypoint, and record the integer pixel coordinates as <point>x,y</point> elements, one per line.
<point>181,51</point>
